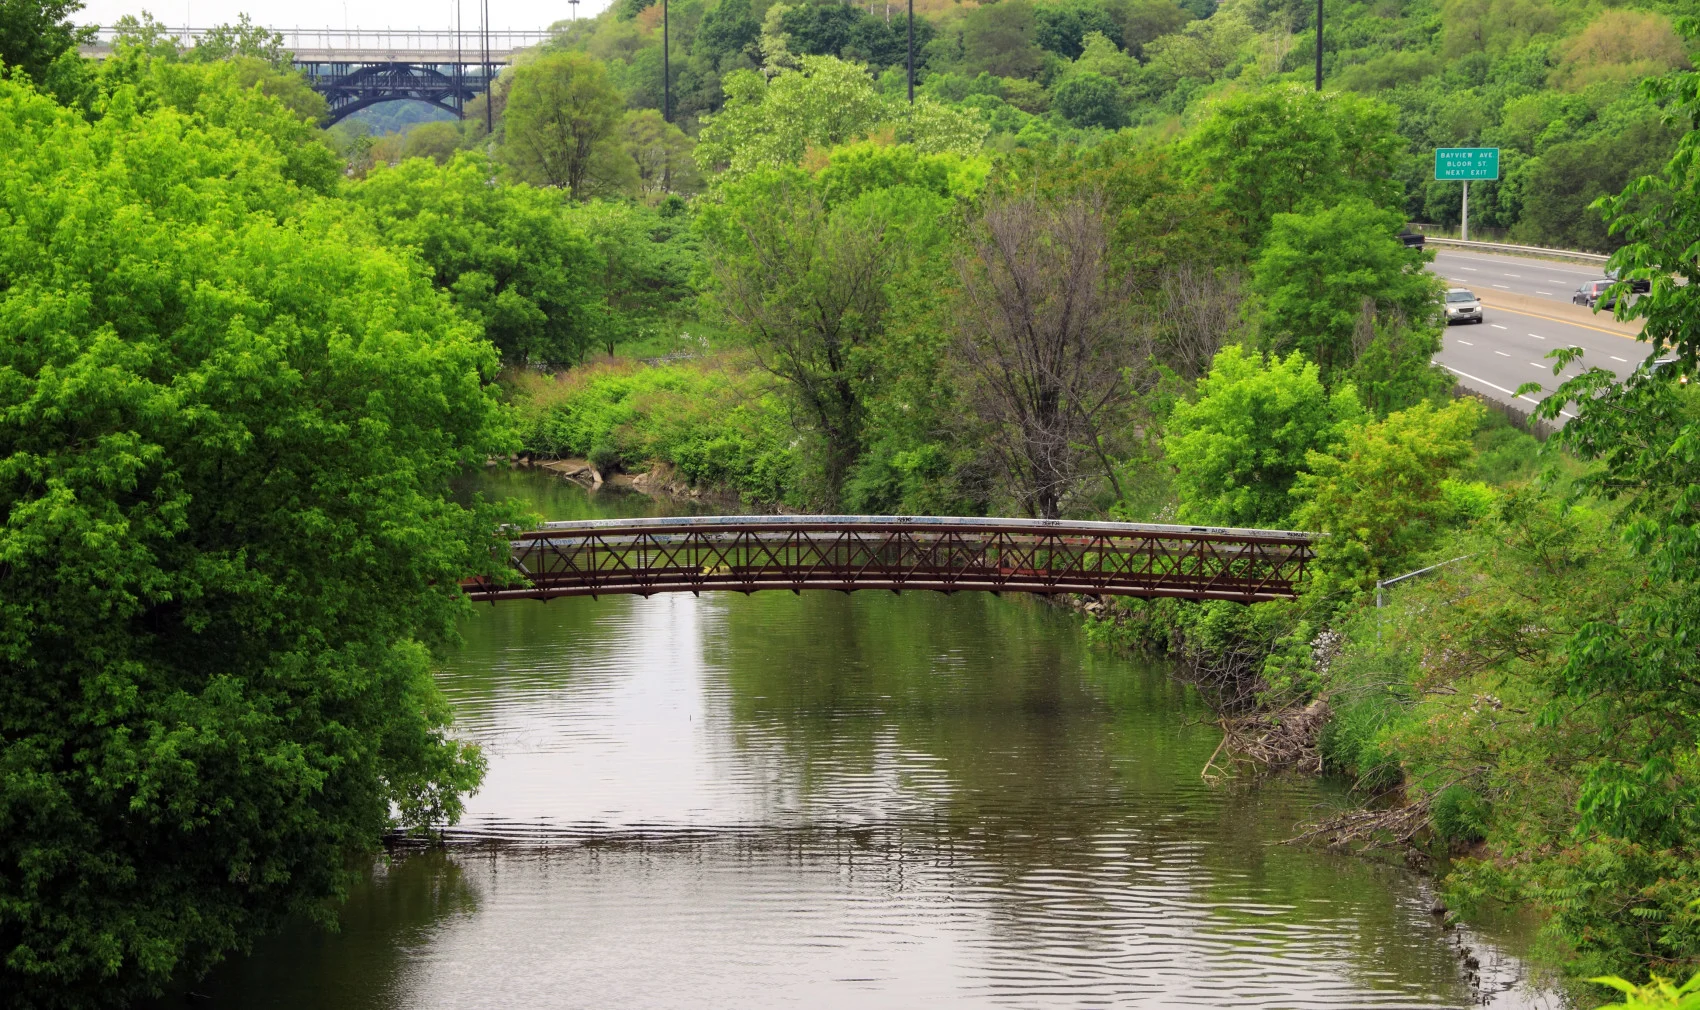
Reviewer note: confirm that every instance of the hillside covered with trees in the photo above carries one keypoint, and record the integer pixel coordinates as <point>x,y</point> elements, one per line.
<point>1118,259</point>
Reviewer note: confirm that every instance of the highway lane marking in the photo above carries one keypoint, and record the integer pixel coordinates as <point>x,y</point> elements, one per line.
<point>1471,269</point>
<point>1537,364</point>
<point>1505,286</point>
<point>1538,291</point>
<point>1537,336</point>
<point>1466,343</point>
<point>1616,358</point>
<point>1490,385</point>
<point>1502,354</point>
<point>1518,276</point>
<point>1496,326</point>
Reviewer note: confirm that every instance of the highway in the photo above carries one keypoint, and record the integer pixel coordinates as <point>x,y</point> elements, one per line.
<point>1526,314</point>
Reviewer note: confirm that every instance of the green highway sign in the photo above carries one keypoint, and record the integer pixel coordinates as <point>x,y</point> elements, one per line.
<point>1452,164</point>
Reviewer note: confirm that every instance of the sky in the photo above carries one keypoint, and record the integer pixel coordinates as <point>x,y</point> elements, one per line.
<point>429,14</point>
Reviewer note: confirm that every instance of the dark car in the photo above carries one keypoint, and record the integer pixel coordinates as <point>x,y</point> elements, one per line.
<point>1637,285</point>
<point>1593,295</point>
<point>1412,238</point>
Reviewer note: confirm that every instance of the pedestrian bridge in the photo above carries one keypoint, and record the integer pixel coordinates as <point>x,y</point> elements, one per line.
<point>749,553</point>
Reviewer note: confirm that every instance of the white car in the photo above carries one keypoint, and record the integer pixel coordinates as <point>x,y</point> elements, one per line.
<point>1462,306</point>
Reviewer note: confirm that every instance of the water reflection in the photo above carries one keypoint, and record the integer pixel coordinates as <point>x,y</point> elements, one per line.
<point>830,800</point>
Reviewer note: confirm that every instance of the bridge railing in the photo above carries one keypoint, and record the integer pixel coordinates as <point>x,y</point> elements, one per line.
<point>361,39</point>
<point>751,553</point>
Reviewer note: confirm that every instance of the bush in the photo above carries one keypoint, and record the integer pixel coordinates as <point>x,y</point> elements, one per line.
<point>720,426</point>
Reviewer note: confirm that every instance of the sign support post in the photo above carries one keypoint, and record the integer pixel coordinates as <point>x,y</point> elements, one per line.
<point>1466,211</point>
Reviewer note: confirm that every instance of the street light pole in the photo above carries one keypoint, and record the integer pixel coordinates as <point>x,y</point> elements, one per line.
<point>911,52</point>
<point>666,69</point>
<point>489,85</point>
<point>1319,45</point>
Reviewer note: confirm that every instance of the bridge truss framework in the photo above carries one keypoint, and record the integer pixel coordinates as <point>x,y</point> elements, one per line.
<point>751,553</point>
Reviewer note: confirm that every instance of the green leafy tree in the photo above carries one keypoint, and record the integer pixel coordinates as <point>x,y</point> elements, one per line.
<point>824,103</point>
<point>661,153</point>
<point>35,34</point>
<point>436,140</point>
<point>1379,493</point>
<point>998,39</point>
<point>244,38</point>
<point>1085,98</point>
<point>505,253</point>
<point>229,425</point>
<point>562,123</point>
<point>811,267</point>
<point>1328,276</point>
<point>1284,149</point>
<point>1238,449</point>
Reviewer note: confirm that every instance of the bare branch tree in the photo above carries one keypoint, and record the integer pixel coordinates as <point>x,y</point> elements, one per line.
<point>1196,308</point>
<point>1046,334</point>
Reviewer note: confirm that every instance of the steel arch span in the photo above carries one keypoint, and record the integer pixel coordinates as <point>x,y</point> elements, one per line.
<point>948,554</point>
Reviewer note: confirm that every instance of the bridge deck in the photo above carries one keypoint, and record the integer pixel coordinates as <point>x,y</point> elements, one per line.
<point>947,554</point>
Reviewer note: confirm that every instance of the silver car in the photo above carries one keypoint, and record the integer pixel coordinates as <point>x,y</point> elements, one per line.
<point>1462,306</point>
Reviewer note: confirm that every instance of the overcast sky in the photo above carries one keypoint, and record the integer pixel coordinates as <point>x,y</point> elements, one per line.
<point>514,14</point>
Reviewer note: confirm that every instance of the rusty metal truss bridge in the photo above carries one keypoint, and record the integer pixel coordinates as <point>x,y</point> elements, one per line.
<point>750,553</point>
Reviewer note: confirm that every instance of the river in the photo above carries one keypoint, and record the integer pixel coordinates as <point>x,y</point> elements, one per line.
<point>862,800</point>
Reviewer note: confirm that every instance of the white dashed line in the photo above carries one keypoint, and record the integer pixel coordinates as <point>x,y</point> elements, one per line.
<point>1537,364</point>
<point>1540,292</point>
<point>1554,280</point>
<point>1466,343</point>
<point>1518,276</point>
<point>1537,336</point>
<point>1616,358</point>
<point>1502,354</point>
<point>1505,286</point>
<point>1471,269</point>
<point>1496,326</point>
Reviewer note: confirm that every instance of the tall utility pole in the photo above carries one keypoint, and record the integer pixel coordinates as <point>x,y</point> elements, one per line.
<point>666,69</point>
<point>1319,45</point>
<point>460,89</point>
<point>911,52</point>
<point>489,81</point>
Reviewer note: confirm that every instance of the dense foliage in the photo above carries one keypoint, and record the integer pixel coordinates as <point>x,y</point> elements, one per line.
<point>212,374</point>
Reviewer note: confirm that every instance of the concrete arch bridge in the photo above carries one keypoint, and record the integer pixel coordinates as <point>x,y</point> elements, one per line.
<point>751,553</point>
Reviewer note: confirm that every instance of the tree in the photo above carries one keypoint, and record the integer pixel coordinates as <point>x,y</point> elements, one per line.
<point>224,42</point>
<point>34,34</point>
<point>824,103</point>
<point>1059,27</point>
<point>1284,149</point>
<point>997,39</point>
<point>1145,21</point>
<point>1239,448</point>
<point>504,253</point>
<point>1326,277</point>
<point>1044,330</point>
<point>229,426</point>
<point>1620,46</point>
<point>562,120</point>
<point>808,265</point>
<point>436,140</point>
<point>662,154</point>
<point>1379,494</point>
<point>1085,98</point>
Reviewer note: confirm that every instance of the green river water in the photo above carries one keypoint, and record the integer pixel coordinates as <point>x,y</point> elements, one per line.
<point>855,801</point>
